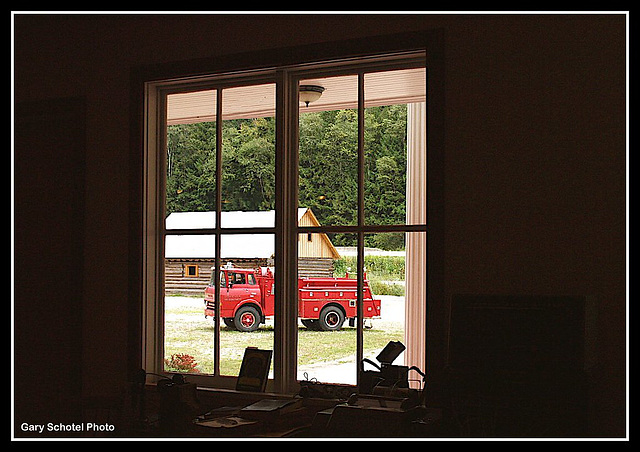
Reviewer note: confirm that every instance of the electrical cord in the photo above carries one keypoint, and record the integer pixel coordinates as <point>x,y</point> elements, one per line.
<point>419,371</point>
<point>424,384</point>
<point>367,360</point>
<point>175,378</point>
<point>424,377</point>
<point>156,375</point>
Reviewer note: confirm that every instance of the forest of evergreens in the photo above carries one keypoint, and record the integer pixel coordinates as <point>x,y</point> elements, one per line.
<point>327,168</point>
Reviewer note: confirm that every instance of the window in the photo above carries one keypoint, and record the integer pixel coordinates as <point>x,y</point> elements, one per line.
<point>191,270</point>
<point>362,171</point>
<point>239,172</point>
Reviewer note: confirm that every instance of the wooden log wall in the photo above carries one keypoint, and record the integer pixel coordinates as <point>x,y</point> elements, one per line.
<point>177,283</point>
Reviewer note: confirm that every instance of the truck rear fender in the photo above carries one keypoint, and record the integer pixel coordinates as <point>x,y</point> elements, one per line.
<point>337,305</point>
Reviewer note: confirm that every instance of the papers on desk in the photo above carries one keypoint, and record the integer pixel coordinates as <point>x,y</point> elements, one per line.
<point>223,417</point>
<point>229,417</point>
<point>225,422</point>
<point>270,407</point>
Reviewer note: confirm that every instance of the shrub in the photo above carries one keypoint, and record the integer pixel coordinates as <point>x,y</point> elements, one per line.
<point>181,362</point>
<point>389,268</point>
<point>382,288</point>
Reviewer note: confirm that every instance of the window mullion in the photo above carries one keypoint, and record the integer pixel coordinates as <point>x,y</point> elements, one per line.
<point>286,251</point>
<point>216,341</point>
<point>360,258</point>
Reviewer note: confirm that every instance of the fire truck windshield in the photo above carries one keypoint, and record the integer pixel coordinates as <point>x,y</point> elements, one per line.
<point>234,278</point>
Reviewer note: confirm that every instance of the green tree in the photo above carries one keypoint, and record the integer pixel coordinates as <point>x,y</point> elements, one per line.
<point>248,174</point>
<point>328,143</point>
<point>190,167</point>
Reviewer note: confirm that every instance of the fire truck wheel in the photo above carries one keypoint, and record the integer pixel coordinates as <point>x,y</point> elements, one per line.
<point>331,318</point>
<point>247,319</point>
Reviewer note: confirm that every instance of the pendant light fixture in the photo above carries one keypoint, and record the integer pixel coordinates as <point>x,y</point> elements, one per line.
<point>310,93</point>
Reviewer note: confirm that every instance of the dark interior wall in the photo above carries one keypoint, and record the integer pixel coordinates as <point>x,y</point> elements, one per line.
<point>48,308</point>
<point>535,136</point>
<point>534,157</point>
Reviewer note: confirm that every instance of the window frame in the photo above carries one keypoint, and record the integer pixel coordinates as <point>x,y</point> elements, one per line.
<point>187,270</point>
<point>286,229</point>
<point>156,94</point>
<point>359,68</point>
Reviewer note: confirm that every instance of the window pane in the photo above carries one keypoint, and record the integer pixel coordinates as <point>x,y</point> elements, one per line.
<point>328,152</point>
<point>395,148</point>
<point>385,274</point>
<point>248,156</point>
<point>327,310</point>
<point>398,279</point>
<point>246,297</point>
<point>188,335</point>
<point>191,159</point>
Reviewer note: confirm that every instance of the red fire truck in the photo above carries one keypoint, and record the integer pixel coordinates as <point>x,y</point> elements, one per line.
<point>246,300</point>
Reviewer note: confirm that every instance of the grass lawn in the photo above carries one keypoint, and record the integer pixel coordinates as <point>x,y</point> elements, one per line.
<point>187,331</point>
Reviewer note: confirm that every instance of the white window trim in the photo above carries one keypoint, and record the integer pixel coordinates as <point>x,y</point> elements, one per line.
<point>416,245</point>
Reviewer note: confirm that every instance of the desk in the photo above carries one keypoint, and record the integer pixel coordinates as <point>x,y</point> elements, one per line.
<point>341,421</point>
<point>177,418</point>
<point>353,421</point>
<point>316,418</point>
<point>274,426</point>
